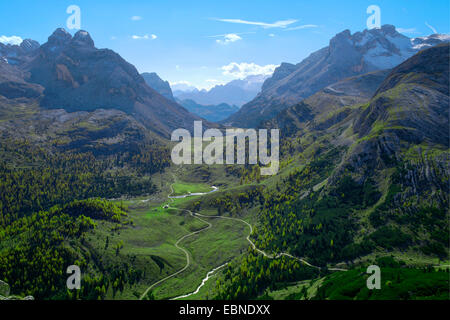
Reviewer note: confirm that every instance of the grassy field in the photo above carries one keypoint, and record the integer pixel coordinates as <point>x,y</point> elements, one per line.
<point>209,249</point>
<point>152,238</point>
<point>149,244</point>
<point>207,291</point>
<point>289,291</point>
<point>181,188</point>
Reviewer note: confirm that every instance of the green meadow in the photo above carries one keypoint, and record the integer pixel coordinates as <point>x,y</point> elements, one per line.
<point>149,244</point>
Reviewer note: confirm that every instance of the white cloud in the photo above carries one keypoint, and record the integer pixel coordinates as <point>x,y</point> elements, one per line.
<point>305,26</point>
<point>271,35</point>
<point>145,37</point>
<point>242,70</point>
<point>406,30</point>
<point>113,37</point>
<point>11,40</point>
<point>277,24</point>
<point>431,27</point>
<point>227,38</point>
<point>136,18</point>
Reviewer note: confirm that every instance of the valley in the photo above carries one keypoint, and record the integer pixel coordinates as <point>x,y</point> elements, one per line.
<point>88,177</point>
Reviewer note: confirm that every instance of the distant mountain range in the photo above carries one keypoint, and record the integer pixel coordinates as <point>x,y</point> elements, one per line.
<point>236,92</point>
<point>214,113</point>
<point>213,107</point>
<point>346,56</point>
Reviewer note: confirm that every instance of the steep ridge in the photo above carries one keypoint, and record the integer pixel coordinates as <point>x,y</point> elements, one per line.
<point>13,84</point>
<point>410,108</point>
<point>79,77</point>
<point>158,84</point>
<point>236,92</point>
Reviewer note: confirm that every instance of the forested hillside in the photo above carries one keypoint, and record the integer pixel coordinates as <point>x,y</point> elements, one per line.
<point>372,181</point>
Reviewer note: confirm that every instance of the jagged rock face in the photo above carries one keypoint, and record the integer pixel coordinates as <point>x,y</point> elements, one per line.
<point>79,77</point>
<point>381,48</point>
<point>397,115</point>
<point>347,55</point>
<point>280,72</point>
<point>18,54</point>
<point>156,83</point>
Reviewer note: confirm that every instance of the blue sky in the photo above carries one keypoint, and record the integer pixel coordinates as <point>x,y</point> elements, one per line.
<point>209,42</point>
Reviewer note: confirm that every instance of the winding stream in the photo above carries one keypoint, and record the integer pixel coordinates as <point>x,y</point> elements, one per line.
<point>214,189</point>
<point>210,273</point>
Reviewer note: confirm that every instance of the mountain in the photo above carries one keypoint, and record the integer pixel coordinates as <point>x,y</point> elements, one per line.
<point>156,83</point>
<point>403,124</point>
<point>411,107</point>
<point>18,54</point>
<point>346,56</point>
<point>363,181</point>
<point>180,87</point>
<point>13,84</point>
<point>405,106</point>
<point>212,113</point>
<point>236,92</point>
<point>362,184</point>
<point>76,76</point>
<point>366,179</point>
<point>420,43</point>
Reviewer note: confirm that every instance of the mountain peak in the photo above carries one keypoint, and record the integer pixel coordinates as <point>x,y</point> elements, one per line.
<point>59,36</point>
<point>29,45</point>
<point>388,29</point>
<point>83,38</point>
<point>343,34</point>
<point>158,84</point>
